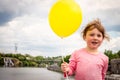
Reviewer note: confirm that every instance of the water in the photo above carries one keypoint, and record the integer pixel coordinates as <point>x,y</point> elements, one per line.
<point>29,74</point>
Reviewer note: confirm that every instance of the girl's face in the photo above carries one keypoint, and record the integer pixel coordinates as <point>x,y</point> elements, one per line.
<point>93,38</point>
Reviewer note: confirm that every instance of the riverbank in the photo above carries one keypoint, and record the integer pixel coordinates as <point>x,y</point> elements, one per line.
<point>112,77</point>
<point>54,67</point>
<point>109,76</point>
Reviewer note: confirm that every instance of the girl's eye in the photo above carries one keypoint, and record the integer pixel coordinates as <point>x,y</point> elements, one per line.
<point>99,35</point>
<point>91,34</point>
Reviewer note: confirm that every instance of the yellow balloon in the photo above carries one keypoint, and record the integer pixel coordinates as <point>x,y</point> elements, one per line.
<point>65,17</point>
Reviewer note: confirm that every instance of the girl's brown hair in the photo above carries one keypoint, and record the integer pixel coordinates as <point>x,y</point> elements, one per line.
<point>95,24</point>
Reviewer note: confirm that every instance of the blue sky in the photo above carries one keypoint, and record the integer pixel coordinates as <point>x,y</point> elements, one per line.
<point>25,22</point>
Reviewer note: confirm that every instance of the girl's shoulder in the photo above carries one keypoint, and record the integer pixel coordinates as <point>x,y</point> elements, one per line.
<point>78,52</point>
<point>103,57</point>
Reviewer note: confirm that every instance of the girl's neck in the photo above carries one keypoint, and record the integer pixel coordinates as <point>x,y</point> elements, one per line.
<point>91,51</point>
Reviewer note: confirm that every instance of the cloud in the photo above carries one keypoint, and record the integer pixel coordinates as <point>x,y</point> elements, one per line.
<point>27,25</point>
<point>5,17</point>
<point>111,19</point>
<point>15,8</point>
<point>8,10</point>
<point>113,44</point>
<point>108,11</point>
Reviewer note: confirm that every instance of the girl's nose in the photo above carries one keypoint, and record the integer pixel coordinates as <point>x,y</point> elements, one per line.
<point>95,37</point>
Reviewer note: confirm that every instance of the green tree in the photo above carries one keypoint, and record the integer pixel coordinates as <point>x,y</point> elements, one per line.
<point>66,59</point>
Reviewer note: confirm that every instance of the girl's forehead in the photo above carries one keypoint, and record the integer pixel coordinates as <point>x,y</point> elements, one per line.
<point>95,30</point>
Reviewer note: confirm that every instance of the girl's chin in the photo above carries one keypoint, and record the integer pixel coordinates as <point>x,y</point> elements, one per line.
<point>94,47</point>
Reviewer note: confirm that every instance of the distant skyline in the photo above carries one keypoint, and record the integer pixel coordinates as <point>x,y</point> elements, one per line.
<point>25,23</point>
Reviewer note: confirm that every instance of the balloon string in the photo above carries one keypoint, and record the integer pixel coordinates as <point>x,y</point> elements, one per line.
<point>65,74</point>
<point>62,50</point>
<point>63,58</point>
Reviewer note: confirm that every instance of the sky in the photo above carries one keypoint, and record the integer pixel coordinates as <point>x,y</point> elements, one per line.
<point>24,24</point>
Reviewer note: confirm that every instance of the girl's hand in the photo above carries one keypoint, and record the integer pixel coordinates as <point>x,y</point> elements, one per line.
<point>65,67</point>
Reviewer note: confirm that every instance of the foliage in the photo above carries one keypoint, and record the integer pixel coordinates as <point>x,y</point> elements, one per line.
<point>30,61</point>
<point>112,55</point>
<point>66,59</point>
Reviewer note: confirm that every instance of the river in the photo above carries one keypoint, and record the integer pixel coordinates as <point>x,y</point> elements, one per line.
<point>30,74</point>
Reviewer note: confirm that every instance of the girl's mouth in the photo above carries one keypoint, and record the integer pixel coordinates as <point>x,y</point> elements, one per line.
<point>94,43</point>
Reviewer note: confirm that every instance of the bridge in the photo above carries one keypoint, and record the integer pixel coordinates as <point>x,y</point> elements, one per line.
<point>49,61</point>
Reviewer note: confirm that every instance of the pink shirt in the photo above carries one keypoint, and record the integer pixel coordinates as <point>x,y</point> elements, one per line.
<point>88,66</point>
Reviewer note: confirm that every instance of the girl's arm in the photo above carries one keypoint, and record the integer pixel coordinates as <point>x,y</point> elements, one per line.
<point>72,64</point>
<point>104,71</point>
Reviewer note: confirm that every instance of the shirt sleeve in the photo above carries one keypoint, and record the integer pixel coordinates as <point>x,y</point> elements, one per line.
<point>105,67</point>
<point>72,64</point>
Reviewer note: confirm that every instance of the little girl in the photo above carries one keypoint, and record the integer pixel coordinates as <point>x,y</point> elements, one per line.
<point>88,63</point>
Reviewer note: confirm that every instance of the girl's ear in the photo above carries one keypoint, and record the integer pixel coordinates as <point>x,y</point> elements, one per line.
<point>84,37</point>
